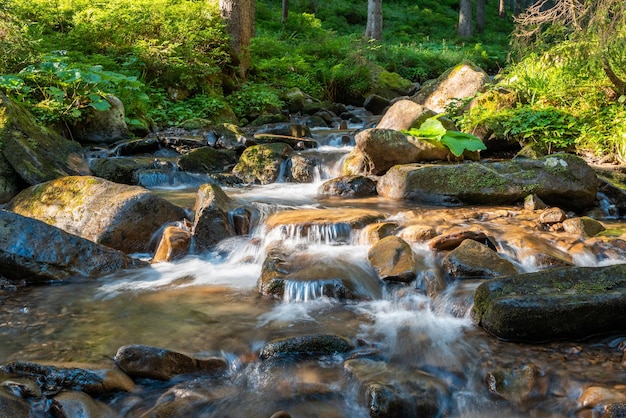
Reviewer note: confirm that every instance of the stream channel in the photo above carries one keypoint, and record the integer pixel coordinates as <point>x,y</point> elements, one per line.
<point>209,305</point>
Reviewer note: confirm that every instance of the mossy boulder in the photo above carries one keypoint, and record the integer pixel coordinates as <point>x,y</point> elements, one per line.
<point>35,153</point>
<point>562,180</point>
<point>10,181</point>
<point>307,345</point>
<point>459,82</point>
<point>207,160</point>
<point>391,85</point>
<point>261,163</point>
<point>36,252</point>
<point>116,215</point>
<point>566,303</point>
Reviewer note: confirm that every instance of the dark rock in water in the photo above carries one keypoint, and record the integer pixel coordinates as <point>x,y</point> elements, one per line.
<point>79,404</point>
<point>35,153</point>
<point>34,251</point>
<point>54,379</point>
<point>562,180</point>
<point>515,385</point>
<point>473,259</point>
<point>121,170</point>
<point>452,239</point>
<point>301,169</point>
<point>207,160</point>
<point>565,303</point>
<point>393,259</point>
<point>13,407</point>
<point>349,186</point>
<point>127,216</point>
<point>393,393</point>
<point>161,364</point>
<point>137,146</point>
<point>307,345</point>
<point>375,104</point>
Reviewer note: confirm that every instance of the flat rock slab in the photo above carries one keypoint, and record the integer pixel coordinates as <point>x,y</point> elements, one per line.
<point>567,303</point>
<point>562,180</point>
<point>354,218</point>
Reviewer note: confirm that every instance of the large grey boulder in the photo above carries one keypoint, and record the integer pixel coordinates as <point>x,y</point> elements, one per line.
<point>566,303</point>
<point>116,215</point>
<point>377,150</point>
<point>462,81</point>
<point>34,251</point>
<point>562,180</point>
<point>104,127</point>
<point>405,114</point>
<point>35,153</point>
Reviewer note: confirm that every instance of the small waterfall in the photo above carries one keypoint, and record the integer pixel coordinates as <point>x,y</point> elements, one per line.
<point>609,209</point>
<point>305,291</point>
<point>152,179</point>
<point>327,234</point>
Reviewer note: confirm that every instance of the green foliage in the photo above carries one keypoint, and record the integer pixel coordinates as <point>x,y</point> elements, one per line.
<point>253,99</point>
<point>432,130</point>
<point>58,91</point>
<point>165,112</point>
<point>16,48</point>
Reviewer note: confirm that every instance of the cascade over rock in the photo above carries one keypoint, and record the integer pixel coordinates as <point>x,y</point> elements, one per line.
<point>565,303</point>
<point>35,153</point>
<point>562,180</point>
<point>34,251</point>
<point>127,216</point>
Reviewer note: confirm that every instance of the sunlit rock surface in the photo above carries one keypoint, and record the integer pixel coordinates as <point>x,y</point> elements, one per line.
<point>571,303</point>
<point>34,251</point>
<point>116,215</point>
<point>261,163</point>
<point>393,259</point>
<point>562,180</point>
<point>473,259</point>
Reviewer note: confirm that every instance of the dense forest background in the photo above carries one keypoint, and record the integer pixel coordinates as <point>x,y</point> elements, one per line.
<point>170,61</point>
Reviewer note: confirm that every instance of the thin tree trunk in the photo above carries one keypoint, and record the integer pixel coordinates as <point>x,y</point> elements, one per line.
<point>374,28</point>
<point>465,18</point>
<point>239,18</point>
<point>480,16</point>
<point>618,83</point>
<point>502,9</point>
<point>285,11</point>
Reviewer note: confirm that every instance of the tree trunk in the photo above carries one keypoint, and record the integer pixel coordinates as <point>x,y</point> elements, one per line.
<point>239,18</point>
<point>618,83</point>
<point>285,11</point>
<point>480,16</point>
<point>502,9</point>
<point>374,28</point>
<point>465,18</point>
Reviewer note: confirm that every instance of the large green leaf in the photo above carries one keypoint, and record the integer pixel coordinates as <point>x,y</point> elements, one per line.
<point>458,142</point>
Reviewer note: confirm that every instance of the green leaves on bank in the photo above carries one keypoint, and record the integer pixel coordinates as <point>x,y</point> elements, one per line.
<point>432,130</point>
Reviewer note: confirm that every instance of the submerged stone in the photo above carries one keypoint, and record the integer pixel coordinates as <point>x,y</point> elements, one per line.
<point>306,345</point>
<point>565,303</point>
<point>562,180</point>
<point>393,259</point>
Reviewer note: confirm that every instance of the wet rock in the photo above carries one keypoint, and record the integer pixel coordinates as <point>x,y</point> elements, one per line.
<point>403,115</point>
<point>162,364</point>
<point>213,213</point>
<point>295,276</point>
<point>137,146</point>
<point>37,252</point>
<point>375,104</point>
<point>552,216</point>
<point>533,202</point>
<point>461,81</point>
<point>231,137</point>
<point>597,395</point>
<point>473,259</point>
<point>306,345</point>
<point>339,221</point>
<point>393,259</point>
<point>35,153</point>
<point>454,237</point>
<point>301,169</point>
<point>373,233</point>
<point>294,100</point>
<point>261,163</point>
<point>294,130</point>
<point>280,414</point>
<point>54,379</point>
<point>79,404</point>
<point>565,303</point>
<point>22,387</point>
<point>108,126</point>
<point>431,281</point>
<point>10,181</point>
<point>174,243</point>
<point>615,410</point>
<point>349,186</point>
<point>517,384</point>
<point>121,170</point>
<point>127,217</point>
<point>207,160</point>
<point>13,407</point>
<point>584,226</point>
<point>389,392</point>
<point>381,149</point>
<point>561,180</point>
<point>417,233</point>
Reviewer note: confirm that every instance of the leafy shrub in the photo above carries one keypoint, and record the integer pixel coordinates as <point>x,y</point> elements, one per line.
<point>165,112</point>
<point>253,99</point>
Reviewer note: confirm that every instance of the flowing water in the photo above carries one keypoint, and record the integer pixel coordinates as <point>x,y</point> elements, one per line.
<point>208,304</point>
